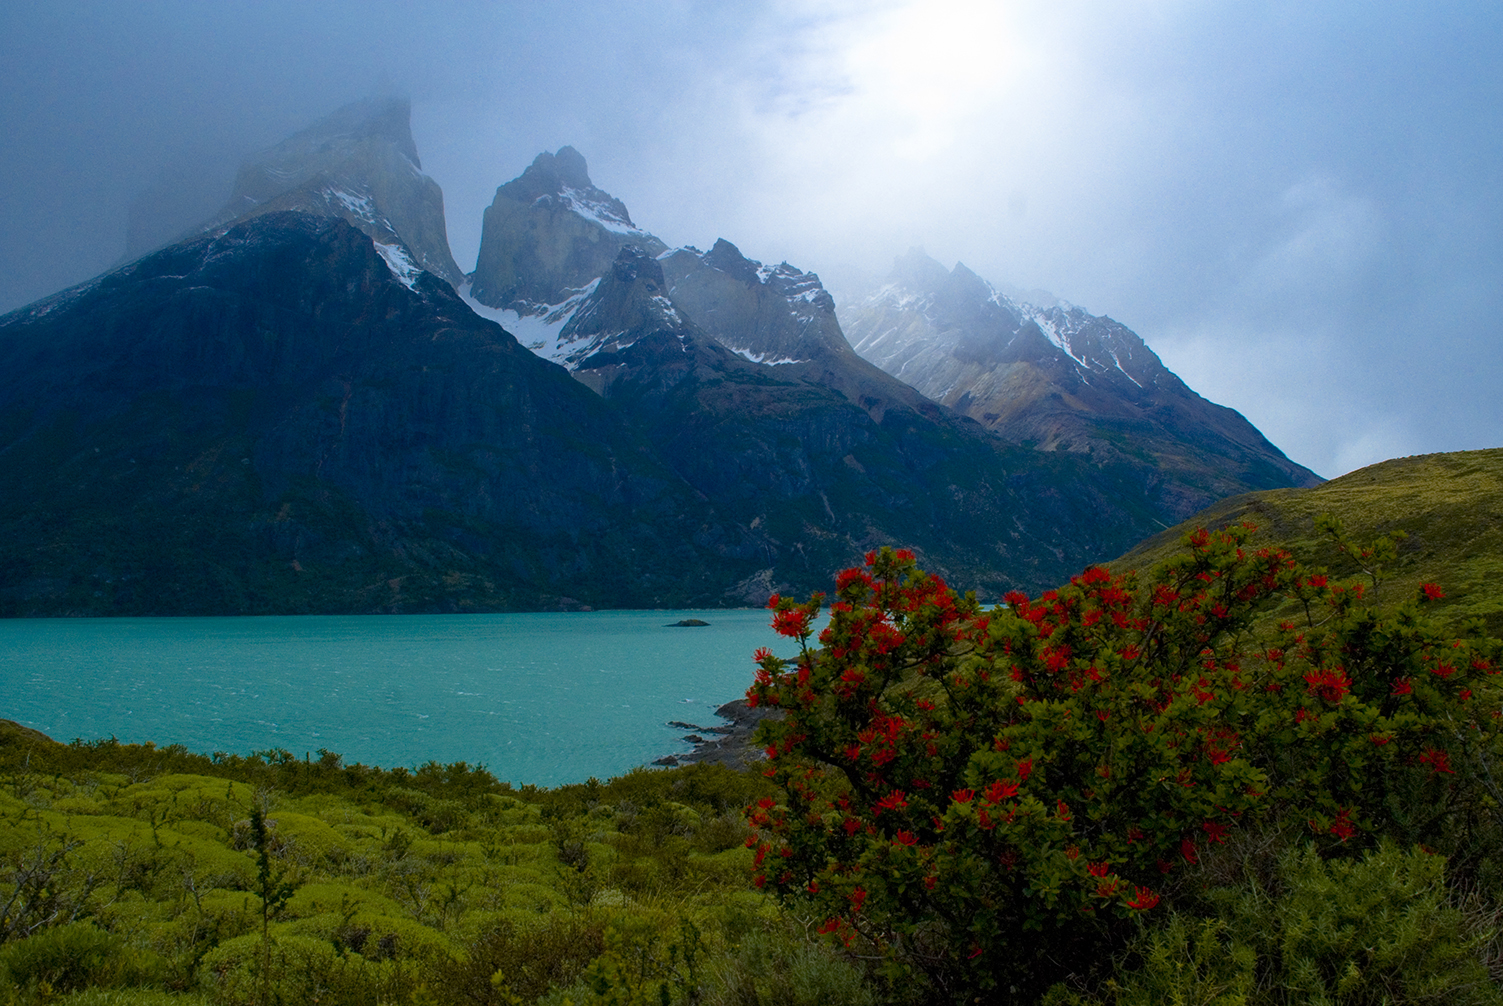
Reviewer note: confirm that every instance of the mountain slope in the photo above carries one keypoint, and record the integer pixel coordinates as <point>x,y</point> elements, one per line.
<point>1060,379</point>
<point>1450,507</point>
<point>268,420</point>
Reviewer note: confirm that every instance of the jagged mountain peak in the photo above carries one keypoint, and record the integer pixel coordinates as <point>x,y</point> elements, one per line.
<point>766,313</point>
<point>629,298</point>
<point>728,259</point>
<point>586,226</point>
<point>326,143</point>
<point>919,270</point>
<point>552,173</point>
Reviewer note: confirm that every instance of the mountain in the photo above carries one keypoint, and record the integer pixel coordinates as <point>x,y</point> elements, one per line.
<point>1449,506</point>
<point>269,420</point>
<point>294,411</point>
<point>548,233</point>
<point>703,348</point>
<point>1060,379</point>
<point>360,165</point>
<point>820,476</point>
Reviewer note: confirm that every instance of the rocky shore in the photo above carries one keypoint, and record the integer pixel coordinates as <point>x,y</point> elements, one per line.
<point>723,745</point>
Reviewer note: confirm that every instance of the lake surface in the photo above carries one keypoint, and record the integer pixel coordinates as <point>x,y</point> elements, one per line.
<point>536,698</point>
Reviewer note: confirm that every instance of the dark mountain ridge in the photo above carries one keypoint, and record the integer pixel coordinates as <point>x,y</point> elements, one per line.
<point>269,420</point>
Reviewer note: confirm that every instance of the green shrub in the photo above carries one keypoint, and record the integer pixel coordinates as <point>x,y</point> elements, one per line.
<point>1375,931</point>
<point>776,967</point>
<point>77,955</point>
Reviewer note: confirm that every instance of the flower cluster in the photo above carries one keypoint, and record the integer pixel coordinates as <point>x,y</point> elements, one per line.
<point>955,777</point>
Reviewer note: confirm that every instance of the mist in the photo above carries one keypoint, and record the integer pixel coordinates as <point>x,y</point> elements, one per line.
<point>1298,208</point>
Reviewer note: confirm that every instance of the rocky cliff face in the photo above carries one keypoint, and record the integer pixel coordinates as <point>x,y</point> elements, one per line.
<point>361,166</point>
<point>269,420</point>
<point>548,233</point>
<point>1057,378</point>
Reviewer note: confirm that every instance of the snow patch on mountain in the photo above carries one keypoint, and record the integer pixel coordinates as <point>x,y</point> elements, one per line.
<point>762,358</point>
<point>539,331</point>
<point>358,205</point>
<point>595,210</point>
<point>400,264</point>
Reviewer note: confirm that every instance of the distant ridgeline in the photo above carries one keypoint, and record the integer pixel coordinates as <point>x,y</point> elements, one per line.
<point>298,408</point>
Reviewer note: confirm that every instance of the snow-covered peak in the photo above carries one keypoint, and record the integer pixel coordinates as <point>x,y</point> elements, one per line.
<point>925,309</point>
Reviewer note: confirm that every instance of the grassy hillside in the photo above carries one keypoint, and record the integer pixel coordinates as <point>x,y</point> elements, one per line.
<point>1450,506</point>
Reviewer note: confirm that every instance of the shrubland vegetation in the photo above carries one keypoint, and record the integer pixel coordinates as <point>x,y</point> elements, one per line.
<point>1231,780</point>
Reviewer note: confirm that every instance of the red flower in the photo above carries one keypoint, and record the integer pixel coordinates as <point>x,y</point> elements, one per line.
<point>904,838</point>
<point>794,623</point>
<point>1438,760</point>
<point>1329,685</point>
<point>1143,900</point>
<point>1401,686</point>
<point>830,926</point>
<point>999,791</point>
<point>1100,869</point>
<point>963,795</point>
<point>1215,831</point>
<point>1342,827</point>
<point>1187,849</point>
<point>1431,591</point>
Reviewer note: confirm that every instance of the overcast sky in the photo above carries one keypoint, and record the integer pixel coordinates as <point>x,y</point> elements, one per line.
<point>1299,206</point>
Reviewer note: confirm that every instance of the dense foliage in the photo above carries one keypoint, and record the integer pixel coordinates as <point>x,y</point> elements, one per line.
<point>134,874</point>
<point>999,800</point>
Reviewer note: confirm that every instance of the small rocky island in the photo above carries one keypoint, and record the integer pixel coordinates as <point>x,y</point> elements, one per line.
<point>688,623</point>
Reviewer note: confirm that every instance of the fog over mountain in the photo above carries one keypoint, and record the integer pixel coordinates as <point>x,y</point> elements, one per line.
<point>1295,206</point>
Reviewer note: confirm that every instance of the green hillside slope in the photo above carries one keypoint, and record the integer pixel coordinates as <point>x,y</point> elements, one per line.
<point>1450,507</point>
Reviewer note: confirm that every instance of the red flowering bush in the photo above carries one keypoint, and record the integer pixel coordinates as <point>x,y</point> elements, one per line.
<point>995,797</point>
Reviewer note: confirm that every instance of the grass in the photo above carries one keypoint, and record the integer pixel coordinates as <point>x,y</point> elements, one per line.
<point>1449,507</point>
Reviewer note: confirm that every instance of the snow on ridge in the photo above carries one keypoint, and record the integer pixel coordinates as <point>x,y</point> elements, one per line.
<point>581,203</point>
<point>360,206</point>
<point>401,266</point>
<point>666,306</point>
<point>763,359</point>
<point>538,331</point>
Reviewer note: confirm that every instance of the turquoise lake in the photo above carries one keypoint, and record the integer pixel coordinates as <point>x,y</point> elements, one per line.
<point>536,698</point>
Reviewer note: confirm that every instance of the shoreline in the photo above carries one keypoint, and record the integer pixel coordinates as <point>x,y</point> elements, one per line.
<point>730,745</point>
